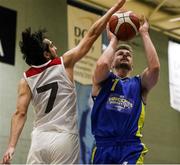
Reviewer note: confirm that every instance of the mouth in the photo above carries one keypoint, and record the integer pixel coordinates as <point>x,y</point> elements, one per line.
<point>124,60</point>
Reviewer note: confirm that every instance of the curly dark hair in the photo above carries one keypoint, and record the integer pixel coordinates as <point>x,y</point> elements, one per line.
<point>32,46</point>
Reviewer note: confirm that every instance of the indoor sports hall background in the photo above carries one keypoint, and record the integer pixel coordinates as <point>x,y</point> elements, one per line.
<point>162,123</point>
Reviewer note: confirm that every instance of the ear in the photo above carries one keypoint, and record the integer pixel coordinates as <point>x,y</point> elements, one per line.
<point>132,68</point>
<point>112,65</point>
<point>46,55</point>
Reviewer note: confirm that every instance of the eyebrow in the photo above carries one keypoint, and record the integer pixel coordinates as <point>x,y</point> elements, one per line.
<point>129,52</point>
<point>51,43</point>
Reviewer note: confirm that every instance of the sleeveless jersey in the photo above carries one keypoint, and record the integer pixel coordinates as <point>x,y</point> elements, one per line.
<point>118,111</point>
<point>53,97</point>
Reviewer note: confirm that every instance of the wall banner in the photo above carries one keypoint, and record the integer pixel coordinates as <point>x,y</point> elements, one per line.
<point>174,74</point>
<point>7,35</point>
<point>79,21</point>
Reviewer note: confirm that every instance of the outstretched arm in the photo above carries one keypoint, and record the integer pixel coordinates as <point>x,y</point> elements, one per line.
<point>150,75</point>
<point>75,54</point>
<point>18,119</point>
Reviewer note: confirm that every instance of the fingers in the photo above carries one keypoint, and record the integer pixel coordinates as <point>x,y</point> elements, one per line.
<point>122,2</point>
<point>142,19</point>
<point>121,10</point>
<point>107,27</point>
<point>7,158</point>
<point>110,35</point>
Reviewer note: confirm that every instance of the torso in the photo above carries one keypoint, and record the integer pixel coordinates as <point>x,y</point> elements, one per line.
<point>53,97</point>
<point>118,109</point>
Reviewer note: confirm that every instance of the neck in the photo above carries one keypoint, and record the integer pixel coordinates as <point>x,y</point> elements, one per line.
<point>122,73</point>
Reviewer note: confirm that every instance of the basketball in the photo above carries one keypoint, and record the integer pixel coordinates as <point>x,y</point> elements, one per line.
<point>125,25</point>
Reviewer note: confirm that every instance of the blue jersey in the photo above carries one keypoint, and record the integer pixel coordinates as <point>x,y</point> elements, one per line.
<point>118,110</point>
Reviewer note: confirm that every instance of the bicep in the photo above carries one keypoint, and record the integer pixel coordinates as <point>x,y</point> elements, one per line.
<point>149,78</point>
<point>95,87</point>
<point>24,96</point>
<point>75,54</point>
<point>101,73</point>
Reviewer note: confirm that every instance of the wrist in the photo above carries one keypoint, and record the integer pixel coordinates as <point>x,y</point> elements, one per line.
<point>114,42</point>
<point>11,146</point>
<point>144,33</point>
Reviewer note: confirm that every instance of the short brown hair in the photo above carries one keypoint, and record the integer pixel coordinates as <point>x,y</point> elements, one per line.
<point>124,46</point>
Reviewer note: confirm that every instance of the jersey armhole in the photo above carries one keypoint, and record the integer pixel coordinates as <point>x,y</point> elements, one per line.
<point>144,103</point>
<point>65,72</point>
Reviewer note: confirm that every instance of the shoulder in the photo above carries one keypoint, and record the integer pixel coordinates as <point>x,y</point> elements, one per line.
<point>136,78</point>
<point>23,86</point>
<point>96,88</point>
<point>34,70</point>
<point>22,82</point>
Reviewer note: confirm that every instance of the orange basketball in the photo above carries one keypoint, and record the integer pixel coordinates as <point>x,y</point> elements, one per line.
<point>125,25</point>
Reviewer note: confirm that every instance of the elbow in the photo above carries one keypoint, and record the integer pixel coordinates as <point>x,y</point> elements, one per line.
<point>103,65</point>
<point>156,69</point>
<point>20,114</point>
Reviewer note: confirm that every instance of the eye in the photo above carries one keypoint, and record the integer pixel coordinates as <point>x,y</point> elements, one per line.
<point>120,53</point>
<point>128,54</point>
<point>51,45</point>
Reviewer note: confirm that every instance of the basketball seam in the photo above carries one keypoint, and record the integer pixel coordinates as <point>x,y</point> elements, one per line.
<point>126,20</point>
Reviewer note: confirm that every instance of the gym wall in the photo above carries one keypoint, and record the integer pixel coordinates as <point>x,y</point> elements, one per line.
<point>49,14</point>
<point>162,123</point>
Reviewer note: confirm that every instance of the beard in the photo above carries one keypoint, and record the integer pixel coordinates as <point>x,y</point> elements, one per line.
<point>123,66</point>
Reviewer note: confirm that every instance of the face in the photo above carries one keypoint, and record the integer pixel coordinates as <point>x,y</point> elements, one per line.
<point>52,53</point>
<point>123,59</point>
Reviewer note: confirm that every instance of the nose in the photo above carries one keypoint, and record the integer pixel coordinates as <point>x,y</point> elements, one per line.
<point>124,55</point>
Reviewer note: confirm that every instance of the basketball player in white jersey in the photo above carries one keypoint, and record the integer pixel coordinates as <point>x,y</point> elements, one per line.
<point>49,85</point>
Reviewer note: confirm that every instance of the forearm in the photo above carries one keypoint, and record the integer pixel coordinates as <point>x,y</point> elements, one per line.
<point>108,55</point>
<point>93,33</point>
<point>100,25</point>
<point>17,124</point>
<point>151,74</point>
<point>104,63</point>
<point>150,51</point>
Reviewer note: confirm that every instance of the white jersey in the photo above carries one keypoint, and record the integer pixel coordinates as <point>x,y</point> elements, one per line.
<point>53,97</point>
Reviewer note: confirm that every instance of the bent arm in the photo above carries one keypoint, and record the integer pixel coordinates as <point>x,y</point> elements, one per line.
<point>75,54</point>
<point>150,75</point>
<point>104,63</point>
<point>18,118</point>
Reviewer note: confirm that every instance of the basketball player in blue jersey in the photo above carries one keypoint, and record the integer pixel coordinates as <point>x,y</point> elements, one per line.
<point>119,101</point>
<point>49,85</point>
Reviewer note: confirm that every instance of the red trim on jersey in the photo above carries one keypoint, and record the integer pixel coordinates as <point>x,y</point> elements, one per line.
<point>33,71</point>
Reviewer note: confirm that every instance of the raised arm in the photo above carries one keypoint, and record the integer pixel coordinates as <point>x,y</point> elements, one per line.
<point>18,119</point>
<point>75,54</point>
<point>104,62</point>
<point>150,75</point>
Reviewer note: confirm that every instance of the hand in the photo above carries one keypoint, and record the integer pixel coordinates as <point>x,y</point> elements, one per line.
<point>120,3</point>
<point>144,26</point>
<point>8,155</point>
<point>110,35</point>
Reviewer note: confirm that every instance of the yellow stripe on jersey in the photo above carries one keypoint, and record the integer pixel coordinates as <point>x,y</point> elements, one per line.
<point>141,158</point>
<point>93,154</point>
<point>141,121</point>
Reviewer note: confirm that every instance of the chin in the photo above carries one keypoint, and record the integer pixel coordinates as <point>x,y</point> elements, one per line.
<point>123,66</point>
